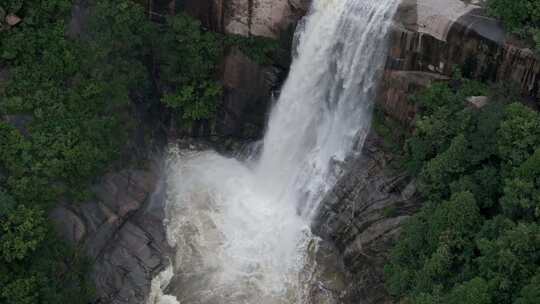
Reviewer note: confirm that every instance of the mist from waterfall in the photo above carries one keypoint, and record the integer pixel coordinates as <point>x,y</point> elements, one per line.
<point>241,229</point>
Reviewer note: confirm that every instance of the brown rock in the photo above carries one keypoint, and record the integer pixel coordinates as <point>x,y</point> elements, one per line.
<point>122,231</point>
<point>437,36</point>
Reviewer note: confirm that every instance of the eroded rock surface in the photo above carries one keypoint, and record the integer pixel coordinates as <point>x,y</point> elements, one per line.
<point>247,91</point>
<point>362,217</point>
<point>121,230</point>
<point>434,37</point>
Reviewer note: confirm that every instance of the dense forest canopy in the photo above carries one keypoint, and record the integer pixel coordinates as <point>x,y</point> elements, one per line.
<point>477,238</point>
<point>521,17</point>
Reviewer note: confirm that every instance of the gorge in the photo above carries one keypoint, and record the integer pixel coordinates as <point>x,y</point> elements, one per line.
<point>247,223</point>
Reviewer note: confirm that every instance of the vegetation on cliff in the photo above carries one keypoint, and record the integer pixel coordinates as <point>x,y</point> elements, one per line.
<point>66,101</point>
<point>521,17</point>
<point>477,238</point>
<point>63,109</point>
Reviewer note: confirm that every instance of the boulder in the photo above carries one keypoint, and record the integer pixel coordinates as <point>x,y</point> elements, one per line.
<point>121,230</point>
<point>478,102</point>
<point>12,19</point>
<point>396,89</point>
<point>437,36</point>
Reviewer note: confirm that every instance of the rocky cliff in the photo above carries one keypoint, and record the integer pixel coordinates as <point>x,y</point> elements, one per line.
<point>121,228</point>
<point>431,38</point>
<point>248,86</point>
<point>362,216</point>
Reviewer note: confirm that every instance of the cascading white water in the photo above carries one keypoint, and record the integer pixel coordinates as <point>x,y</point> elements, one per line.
<point>241,231</point>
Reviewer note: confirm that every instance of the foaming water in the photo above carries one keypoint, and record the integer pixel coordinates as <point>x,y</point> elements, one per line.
<point>241,232</point>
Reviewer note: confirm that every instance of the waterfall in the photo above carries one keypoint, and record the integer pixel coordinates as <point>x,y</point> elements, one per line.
<point>241,230</point>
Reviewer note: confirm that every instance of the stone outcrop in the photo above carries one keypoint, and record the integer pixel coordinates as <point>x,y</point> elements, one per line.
<point>121,231</point>
<point>267,18</point>
<point>248,86</point>
<point>431,38</point>
<point>247,90</point>
<point>362,217</point>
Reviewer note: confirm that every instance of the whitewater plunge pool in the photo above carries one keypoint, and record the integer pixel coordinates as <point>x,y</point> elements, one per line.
<point>241,229</point>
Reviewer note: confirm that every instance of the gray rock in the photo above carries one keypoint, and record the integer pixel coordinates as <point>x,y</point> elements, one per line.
<point>362,217</point>
<point>478,101</point>
<point>437,36</point>
<point>122,231</point>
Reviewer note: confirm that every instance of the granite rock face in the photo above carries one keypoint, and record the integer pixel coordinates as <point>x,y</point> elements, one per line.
<point>248,85</point>
<point>247,88</point>
<point>362,217</point>
<point>121,231</point>
<point>431,38</point>
<point>268,18</point>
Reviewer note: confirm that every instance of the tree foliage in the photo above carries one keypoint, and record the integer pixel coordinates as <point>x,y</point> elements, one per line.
<point>477,239</point>
<point>60,127</point>
<point>521,17</point>
<point>188,57</point>
<point>66,112</point>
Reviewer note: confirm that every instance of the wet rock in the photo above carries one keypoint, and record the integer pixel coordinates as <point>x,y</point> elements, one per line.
<point>324,273</point>
<point>70,226</point>
<point>267,18</point>
<point>362,217</point>
<point>19,122</point>
<point>248,86</point>
<point>434,37</point>
<point>396,89</point>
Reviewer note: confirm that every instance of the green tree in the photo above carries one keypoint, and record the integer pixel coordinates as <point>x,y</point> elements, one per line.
<point>22,231</point>
<point>530,294</point>
<point>521,17</point>
<point>188,57</point>
<point>477,238</point>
